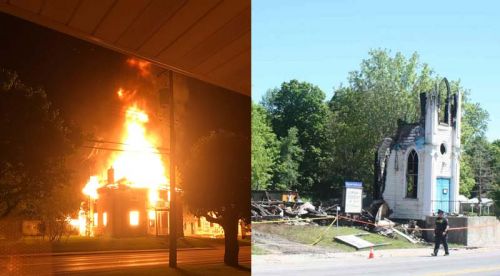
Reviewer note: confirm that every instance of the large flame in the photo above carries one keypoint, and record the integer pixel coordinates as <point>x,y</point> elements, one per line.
<point>140,163</point>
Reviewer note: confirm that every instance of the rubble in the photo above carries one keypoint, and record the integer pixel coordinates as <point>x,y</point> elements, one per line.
<point>373,219</point>
<point>278,210</point>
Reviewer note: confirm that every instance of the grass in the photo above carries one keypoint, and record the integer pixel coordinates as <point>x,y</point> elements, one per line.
<point>86,244</point>
<point>307,234</point>
<point>257,250</point>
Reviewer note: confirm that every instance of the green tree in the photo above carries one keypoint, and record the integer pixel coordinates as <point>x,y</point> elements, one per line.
<point>474,126</point>
<point>495,191</point>
<point>301,105</point>
<point>35,143</point>
<point>474,122</point>
<point>495,152</point>
<point>215,182</point>
<point>481,161</point>
<point>264,149</point>
<point>384,90</point>
<point>287,172</point>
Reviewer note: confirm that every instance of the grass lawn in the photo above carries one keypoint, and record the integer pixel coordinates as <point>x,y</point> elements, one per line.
<point>307,234</point>
<point>258,250</point>
<point>85,244</point>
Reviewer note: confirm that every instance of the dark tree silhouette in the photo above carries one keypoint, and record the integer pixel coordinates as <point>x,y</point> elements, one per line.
<point>216,185</point>
<point>34,144</point>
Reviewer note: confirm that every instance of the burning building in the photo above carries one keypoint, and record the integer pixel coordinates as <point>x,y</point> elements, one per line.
<point>121,210</point>
<point>132,196</point>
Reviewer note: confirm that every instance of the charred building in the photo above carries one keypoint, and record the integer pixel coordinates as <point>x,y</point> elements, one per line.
<point>417,171</point>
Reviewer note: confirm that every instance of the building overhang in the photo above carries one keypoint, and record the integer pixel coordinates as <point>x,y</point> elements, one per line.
<point>206,40</point>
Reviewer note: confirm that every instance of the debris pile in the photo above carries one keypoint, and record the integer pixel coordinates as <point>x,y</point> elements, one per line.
<point>290,208</point>
<point>276,210</point>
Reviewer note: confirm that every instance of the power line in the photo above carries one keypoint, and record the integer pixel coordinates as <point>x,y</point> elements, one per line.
<point>125,144</point>
<point>125,150</point>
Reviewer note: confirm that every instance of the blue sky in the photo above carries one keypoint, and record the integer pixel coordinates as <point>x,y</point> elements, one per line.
<point>321,41</point>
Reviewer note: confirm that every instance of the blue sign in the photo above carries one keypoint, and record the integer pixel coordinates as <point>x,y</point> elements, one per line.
<point>351,184</point>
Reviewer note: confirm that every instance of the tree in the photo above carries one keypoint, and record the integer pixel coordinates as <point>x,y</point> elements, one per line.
<point>481,161</point>
<point>215,182</point>
<point>384,90</point>
<point>301,105</point>
<point>55,210</point>
<point>264,149</point>
<point>287,172</point>
<point>474,126</point>
<point>35,142</point>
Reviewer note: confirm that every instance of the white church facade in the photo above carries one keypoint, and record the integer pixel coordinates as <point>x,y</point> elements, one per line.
<point>419,168</point>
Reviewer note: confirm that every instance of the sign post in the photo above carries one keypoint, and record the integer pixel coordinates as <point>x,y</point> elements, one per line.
<point>353,197</point>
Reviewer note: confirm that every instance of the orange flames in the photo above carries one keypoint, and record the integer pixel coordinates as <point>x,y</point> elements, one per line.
<point>139,163</point>
<point>143,66</point>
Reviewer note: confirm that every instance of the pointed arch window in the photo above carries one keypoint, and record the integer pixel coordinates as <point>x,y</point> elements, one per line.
<point>412,175</point>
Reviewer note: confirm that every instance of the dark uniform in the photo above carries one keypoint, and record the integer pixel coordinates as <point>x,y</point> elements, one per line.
<point>441,235</point>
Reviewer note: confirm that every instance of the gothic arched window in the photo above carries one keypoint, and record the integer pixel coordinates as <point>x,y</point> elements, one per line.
<point>412,175</point>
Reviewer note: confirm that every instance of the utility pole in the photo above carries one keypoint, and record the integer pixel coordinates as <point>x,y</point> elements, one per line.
<point>480,185</point>
<point>172,256</point>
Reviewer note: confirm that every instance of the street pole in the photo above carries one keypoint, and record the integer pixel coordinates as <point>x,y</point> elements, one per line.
<point>338,208</point>
<point>172,256</point>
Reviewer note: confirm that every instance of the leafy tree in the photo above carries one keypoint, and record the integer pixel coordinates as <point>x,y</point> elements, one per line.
<point>474,122</point>
<point>384,90</point>
<point>34,144</point>
<point>287,173</point>
<point>474,126</point>
<point>495,152</point>
<point>264,149</point>
<point>62,203</point>
<point>495,192</point>
<point>301,105</point>
<point>480,152</point>
<point>215,182</point>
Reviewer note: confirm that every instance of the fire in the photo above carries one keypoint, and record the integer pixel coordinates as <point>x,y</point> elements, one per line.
<point>143,66</point>
<point>120,93</point>
<point>91,188</point>
<point>139,164</point>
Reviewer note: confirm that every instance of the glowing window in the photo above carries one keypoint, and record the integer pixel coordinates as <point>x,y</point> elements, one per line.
<point>96,217</point>
<point>104,218</point>
<point>134,218</point>
<point>151,215</point>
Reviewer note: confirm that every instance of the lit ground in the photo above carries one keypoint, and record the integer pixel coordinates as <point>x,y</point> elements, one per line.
<point>84,244</point>
<point>190,261</point>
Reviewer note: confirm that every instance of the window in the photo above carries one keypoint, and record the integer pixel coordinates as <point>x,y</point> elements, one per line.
<point>96,219</point>
<point>443,149</point>
<point>152,215</point>
<point>104,218</point>
<point>134,218</point>
<point>412,175</point>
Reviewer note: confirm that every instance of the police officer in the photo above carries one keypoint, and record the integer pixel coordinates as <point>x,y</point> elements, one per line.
<point>441,233</point>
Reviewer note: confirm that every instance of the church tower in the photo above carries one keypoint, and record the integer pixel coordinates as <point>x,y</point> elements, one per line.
<point>420,166</point>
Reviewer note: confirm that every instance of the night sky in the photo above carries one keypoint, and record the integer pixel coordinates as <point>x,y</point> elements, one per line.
<point>81,79</point>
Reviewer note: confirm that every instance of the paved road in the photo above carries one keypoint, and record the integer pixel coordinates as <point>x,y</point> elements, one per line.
<point>473,262</point>
<point>62,264</point>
